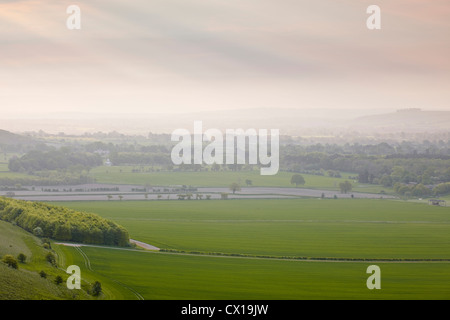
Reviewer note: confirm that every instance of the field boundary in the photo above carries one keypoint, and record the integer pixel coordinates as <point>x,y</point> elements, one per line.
<point>268,257</point>
<point>298,258</point>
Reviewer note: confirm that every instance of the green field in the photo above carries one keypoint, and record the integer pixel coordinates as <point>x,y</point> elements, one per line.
<point>124,175</point>
<point>167,276</point>
<point>352,228</point>
<point>246,230</point>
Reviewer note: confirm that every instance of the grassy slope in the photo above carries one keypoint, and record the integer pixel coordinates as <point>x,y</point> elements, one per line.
<point>25,283</point>
<point>111,290</point>
<point>353,228</point>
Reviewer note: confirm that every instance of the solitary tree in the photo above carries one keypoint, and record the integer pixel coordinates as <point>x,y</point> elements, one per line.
<point>297,179</point>
<point>58,280</point>
<point>10,261</point>
<point>22,258</point>
<point>235,187</point>
<point>96,288</point>
<point>345,186</point>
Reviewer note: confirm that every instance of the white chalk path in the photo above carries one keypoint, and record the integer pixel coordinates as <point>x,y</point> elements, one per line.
<point>144,245</point>
<point>137,243</point>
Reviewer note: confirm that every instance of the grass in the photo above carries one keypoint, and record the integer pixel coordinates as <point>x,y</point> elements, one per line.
<point>124,175</point>
<point>25,282</point>
<point>353,228</point>
<point>111,290</point>
<point>4,170</point>
<point>338,228</point>
<point>167,276</point>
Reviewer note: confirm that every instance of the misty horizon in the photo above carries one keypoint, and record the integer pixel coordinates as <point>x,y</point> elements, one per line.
<point>290,121</point>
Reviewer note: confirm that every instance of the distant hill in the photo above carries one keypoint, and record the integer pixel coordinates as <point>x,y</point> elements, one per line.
<point>406,120</point>
<point>9,138</point>
<point>290,121</point>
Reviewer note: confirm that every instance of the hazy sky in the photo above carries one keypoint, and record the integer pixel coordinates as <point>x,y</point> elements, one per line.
<point>188,55</point>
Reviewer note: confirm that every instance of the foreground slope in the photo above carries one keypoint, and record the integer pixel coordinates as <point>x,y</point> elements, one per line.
<point>25,283</point>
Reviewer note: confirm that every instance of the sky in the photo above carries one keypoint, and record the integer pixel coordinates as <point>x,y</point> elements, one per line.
<point>180,56</point>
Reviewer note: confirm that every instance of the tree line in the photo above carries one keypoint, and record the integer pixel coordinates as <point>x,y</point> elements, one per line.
<point>57,159</point>
<point>61,223</point>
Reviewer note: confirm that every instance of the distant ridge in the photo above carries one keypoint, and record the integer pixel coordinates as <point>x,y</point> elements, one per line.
<point>407,120</point>
<point>9,138</point>
<point>290,121</point>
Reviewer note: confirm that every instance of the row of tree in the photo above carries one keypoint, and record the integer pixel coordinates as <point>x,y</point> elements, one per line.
<point>61,223</point>
<point>55,159</point>
<point>420,190</point>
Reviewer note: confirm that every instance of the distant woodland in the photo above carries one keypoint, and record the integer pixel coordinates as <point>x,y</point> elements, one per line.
<point>411,166</point>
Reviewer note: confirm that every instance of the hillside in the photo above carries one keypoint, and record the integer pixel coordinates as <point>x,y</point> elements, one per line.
<point>406,120</point>
<point>25,282</point>
<point>9,138</point>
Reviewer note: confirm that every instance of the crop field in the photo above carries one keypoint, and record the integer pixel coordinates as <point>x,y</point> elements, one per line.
<point>124,175</point>
<point>353,228</point>
<point>134,275</point>
<point>245,231</point>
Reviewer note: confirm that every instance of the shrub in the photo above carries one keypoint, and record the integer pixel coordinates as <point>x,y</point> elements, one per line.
<point>10,261</point>
<point>43,274</point>
<point>58,280</point>
<point>50,257</point>
<point>38,232</point>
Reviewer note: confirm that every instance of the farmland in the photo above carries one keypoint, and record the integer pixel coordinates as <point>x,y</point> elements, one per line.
<point>306,227</point>
<point>125,175</point>
<point>246,230</point>
<point>167,276</point>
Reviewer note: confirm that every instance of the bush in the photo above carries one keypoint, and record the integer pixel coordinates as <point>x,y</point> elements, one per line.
<point>38,232</point>
<point>50,257</point>
<point>43,274</point>
<point>58,280</point>
<point>10,261</point>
